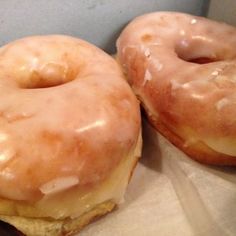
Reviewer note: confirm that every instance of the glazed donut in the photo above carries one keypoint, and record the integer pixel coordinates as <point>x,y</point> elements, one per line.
<point>69,134</point>
<point>183,69</point>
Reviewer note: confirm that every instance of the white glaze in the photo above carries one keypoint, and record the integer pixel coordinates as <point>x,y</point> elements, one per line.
<point>59,184</point>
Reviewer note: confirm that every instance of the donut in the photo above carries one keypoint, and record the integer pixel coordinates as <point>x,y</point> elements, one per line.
<point>69,134</point>
<point>183,70</point>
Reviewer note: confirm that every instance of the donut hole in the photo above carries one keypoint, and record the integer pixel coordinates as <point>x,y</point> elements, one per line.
<point>195,51</point>
<point>197,60</point>
<point>40,83</point>
<point>49,75</point>
<point>201,60</point>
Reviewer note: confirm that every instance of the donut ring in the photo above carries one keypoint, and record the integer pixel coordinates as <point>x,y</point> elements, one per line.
<point>69,134</point>
<point>183,69</point>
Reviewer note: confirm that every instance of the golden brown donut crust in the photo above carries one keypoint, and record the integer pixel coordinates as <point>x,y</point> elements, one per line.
<point>199,151</point>
<point>182,68</point>
<point>47,227</point>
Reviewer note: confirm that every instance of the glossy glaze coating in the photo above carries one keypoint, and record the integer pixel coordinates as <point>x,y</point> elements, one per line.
<point>183,69</point>
<point>67,116</point>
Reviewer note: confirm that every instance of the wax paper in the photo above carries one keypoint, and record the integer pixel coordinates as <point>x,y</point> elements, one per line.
<point>172,195</point>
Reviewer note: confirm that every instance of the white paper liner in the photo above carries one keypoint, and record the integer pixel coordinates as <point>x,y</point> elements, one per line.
<point>172,195</point>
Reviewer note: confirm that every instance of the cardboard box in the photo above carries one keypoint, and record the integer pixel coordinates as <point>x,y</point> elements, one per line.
<point>169,194</point>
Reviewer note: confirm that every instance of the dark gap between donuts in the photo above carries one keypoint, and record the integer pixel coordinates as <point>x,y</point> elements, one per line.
<point>9,230</point>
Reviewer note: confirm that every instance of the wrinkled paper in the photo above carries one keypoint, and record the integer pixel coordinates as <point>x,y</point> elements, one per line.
<point>172,195</point>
